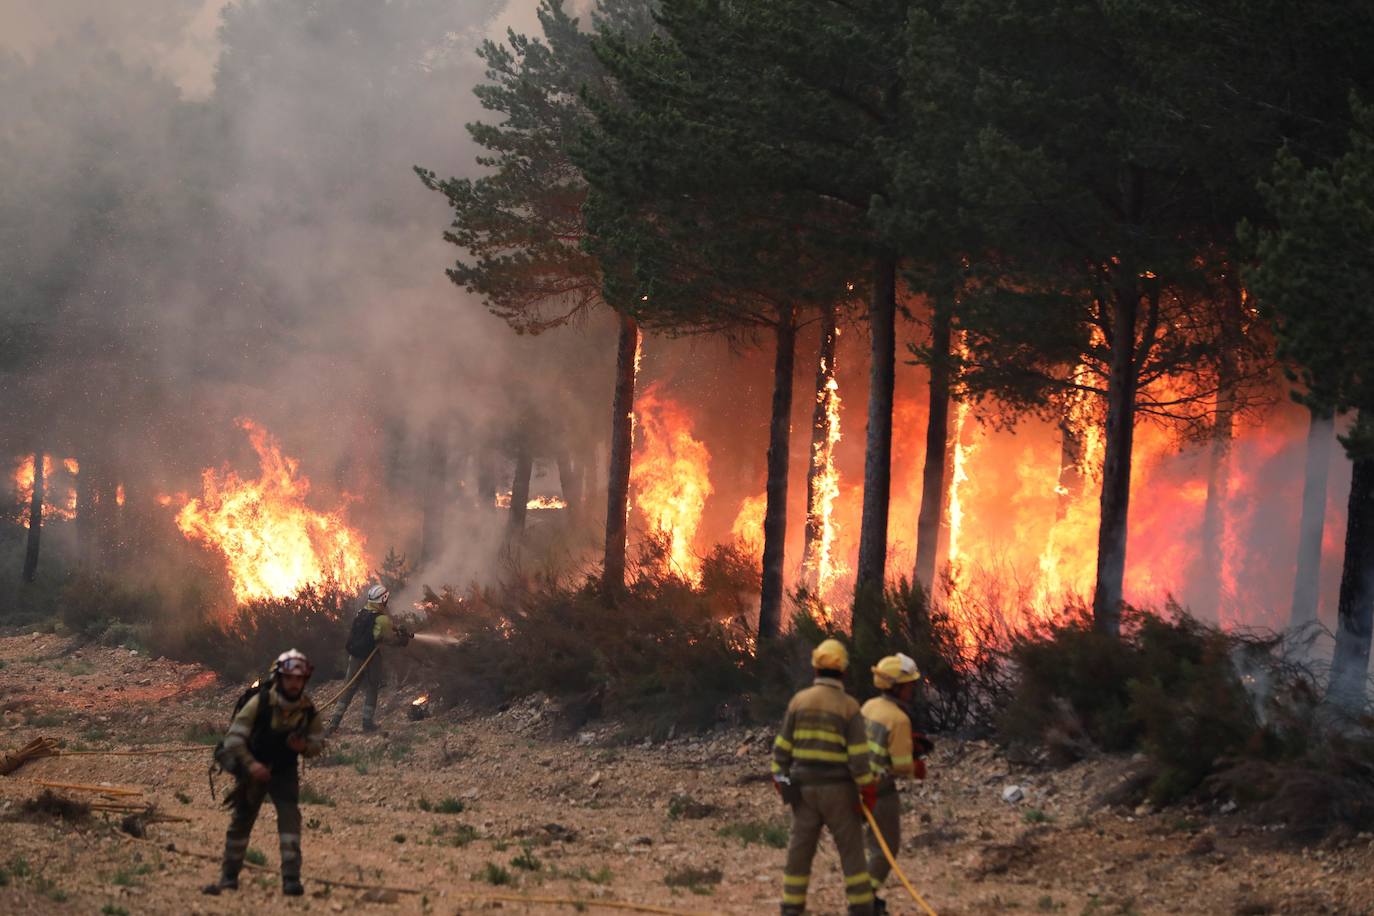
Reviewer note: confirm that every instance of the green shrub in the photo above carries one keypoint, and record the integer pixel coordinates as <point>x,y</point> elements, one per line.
<point>526,861</point>
<point>256,856</point>
<point>670,653</point>
<point>312,796</point>
<point>492,873</point>
<point>448,805</point>
<point>773,834</point>
<point>696,880</point>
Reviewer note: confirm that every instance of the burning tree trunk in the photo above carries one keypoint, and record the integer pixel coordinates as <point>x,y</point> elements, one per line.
<point>622,441</point>
<point>486,479</point>
<point>1317,467</point>
<point>1070,466</point>
<point>1116,466</point>
<point>434,495</point>
<point>35,519</point>
<point>822,458</point>
<point>779,436</point>
<point>1355,612</point>
<point>1212,555</point>
<point>937,441</point>
<point>570,479</point>
<point>872,566</point>
<point>520,486</point>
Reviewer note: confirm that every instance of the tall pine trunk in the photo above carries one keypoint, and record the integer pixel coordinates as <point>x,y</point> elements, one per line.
<point>1116,465</point>
<point>937,444</point>
<point>434,494</point>
<point>779,443</point>
<point>1320,437</point>
<point>622,441</point>
<point>520,486</point>
<point>1070,467</point>
<point>1211,556</point>
<point>820,446</point>
<point>486,479</point>
<point>1355,613</point>
<point>871,570</point>
<point>35,519</point>
<point>570,481</point>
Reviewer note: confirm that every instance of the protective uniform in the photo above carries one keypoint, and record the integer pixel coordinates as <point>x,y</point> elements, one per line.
<point>371,679</point>
<point>891,747</point>
<point>821,755</point>
<point>265,741</point>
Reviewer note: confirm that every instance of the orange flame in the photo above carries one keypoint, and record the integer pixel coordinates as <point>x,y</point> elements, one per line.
<point>119,494</point>
<point>534,502</point>
<point>748,525</point>
<point>421,700</point>
<point>272,542</point>
<point>59,495</point>
<point>670,477</point>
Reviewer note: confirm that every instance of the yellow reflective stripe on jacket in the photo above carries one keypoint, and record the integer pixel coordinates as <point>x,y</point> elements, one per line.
<point>819,734</point>
<point>806,753</point>
<point>781,742</point>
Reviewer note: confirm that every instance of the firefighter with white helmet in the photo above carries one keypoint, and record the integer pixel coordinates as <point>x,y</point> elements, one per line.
<point>895,750</point>
<point>275,723</point>
<point>821,769</point>
<point>372,628</point>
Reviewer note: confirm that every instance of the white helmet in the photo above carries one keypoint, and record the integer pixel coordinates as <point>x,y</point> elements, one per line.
<point>293,661</point>
<point>378,594</point>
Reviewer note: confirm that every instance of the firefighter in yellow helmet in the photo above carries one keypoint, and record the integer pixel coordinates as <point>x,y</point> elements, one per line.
<point>896,753</point>
<point>821,768</point>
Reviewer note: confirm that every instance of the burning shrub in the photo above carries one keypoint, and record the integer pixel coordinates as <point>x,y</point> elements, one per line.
<point>669,653</point>
<point>961,683</point>
<point>315,620</point>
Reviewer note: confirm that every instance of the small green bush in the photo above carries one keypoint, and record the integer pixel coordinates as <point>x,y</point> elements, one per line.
<point>771,834</point>
<point>312,796</point>
<point>111,909</point>
<point>256,856</point>
<point>526,861</point>
<point>492,873</point>
<point>448,805</point>
<point>696,880</point>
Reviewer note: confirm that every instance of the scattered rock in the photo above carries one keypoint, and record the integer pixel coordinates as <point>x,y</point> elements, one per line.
<point>1012,794</point>
<point>595,780</point>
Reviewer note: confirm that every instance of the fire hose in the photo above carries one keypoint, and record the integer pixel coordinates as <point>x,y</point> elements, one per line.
<point>351,681</point>
<point>892,860</point>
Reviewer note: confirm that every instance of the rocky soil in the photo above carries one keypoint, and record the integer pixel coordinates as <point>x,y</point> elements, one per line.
<point>463,809</point>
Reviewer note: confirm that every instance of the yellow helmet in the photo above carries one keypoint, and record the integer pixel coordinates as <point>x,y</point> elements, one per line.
<point>894,670</point>
<point>830,655</point>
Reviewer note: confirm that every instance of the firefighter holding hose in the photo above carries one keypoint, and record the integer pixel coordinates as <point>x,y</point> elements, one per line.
<point>371,629</point>
<point>821,769</point>
<point>896,754</point>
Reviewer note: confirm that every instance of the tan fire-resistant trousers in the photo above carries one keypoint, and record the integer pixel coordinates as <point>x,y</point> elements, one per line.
<point>888,813</point>
<point>832,806</point>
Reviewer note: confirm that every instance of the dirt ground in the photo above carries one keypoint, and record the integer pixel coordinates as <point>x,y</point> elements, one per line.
<point>689,824</point>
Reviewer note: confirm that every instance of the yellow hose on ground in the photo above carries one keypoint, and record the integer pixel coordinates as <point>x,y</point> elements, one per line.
<point>357,674</point>
<point>892,860</point>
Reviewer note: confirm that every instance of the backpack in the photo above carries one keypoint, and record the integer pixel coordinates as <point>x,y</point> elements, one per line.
<point>361,640</point>
<point>226,762</point>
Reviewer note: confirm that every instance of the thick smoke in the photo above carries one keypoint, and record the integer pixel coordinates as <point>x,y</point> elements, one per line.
<point>221,222</point>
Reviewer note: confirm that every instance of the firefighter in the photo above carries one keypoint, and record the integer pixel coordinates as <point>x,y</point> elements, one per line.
<point>371,629</point>
<point>821,768</point>
<point>894,749</point>
<point>277,724</point>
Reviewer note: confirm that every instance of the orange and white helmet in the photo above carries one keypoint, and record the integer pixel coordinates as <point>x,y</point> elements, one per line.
<point>293,661</point>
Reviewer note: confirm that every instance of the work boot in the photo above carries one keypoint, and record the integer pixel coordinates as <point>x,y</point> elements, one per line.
<point>223,884</point>
<point>861,909</point>
<point>793,909</point>
<point>879,906</point>
<point>291,887</point>
<point>370,728</point>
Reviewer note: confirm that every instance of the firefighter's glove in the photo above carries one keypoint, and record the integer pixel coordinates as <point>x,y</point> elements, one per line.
<point>787,790</point>
<point>259,771</point>
<point>869,795</point>
<point>918,769</point>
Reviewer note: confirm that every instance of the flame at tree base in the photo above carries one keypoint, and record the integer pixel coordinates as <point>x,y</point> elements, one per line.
<point>272,542</point>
